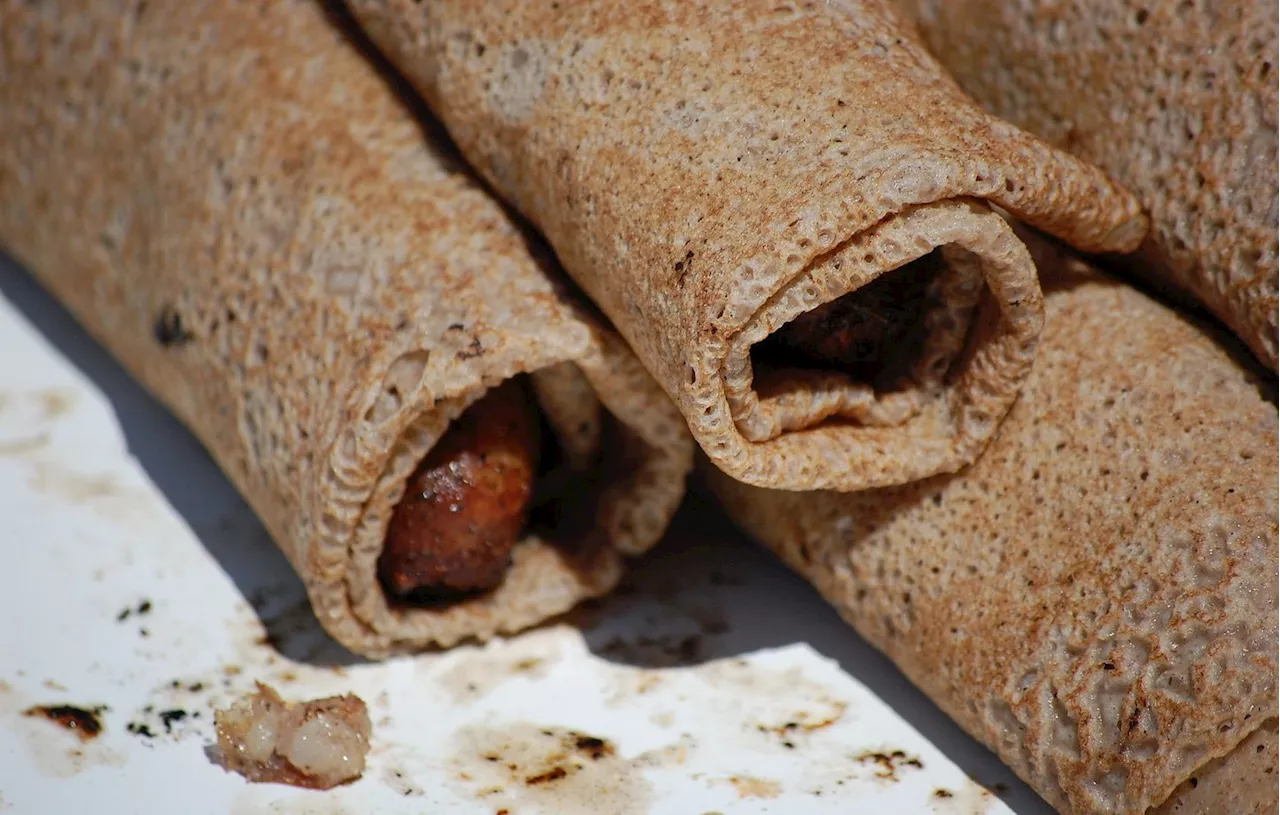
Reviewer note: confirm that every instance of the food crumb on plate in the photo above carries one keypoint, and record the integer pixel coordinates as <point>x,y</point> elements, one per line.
<point>317,744</point>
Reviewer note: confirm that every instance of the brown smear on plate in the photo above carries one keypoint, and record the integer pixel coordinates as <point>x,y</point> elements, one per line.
<point>889,763</point>
<point>749,787</point>
<point>551,769</point>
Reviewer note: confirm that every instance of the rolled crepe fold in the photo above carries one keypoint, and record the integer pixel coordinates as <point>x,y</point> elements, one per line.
<point>1095,598</point>
<point>1176,100</point>
<point>246,213</point>
<point>710,172</point>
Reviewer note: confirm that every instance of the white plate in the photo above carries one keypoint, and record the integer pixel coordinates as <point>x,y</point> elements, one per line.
<point>136,579</point>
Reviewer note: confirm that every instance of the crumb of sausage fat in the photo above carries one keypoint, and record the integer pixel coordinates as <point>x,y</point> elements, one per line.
<point>318,744</point>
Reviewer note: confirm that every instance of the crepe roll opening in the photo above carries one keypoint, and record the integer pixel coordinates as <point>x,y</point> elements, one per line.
<point>522,459</point>
<point>912,322</point>
<point>893,340</point>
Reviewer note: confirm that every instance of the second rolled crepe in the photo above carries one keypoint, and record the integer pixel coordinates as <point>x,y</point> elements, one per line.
<point>1095,598</point>
<point>244,211</point>
<point>1175,99</point>
<point>784,208</point>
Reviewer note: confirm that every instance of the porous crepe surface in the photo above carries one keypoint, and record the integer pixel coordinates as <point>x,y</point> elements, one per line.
<point>695,163</point>
<point>235,202</point>
<point>1243,782</point>
<point>1096,597</point>
<point>1177,100</point>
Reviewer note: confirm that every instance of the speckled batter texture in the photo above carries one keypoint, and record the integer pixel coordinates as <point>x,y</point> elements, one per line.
<point>1096,597</point>
<point>708,171</point>
<point>241,208</point>
<point>1175,99</point>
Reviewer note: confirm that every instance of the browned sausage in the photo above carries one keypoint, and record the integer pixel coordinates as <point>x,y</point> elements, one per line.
<point>866,333</point>
<point>465,505</point>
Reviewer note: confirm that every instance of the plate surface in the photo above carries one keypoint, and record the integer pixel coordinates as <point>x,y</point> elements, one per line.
<point>138,582</point>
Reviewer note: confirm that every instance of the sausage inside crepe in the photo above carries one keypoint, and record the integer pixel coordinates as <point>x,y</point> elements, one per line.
<point>444,441</point>
<point>1095,598</point>
<point>786,210</point>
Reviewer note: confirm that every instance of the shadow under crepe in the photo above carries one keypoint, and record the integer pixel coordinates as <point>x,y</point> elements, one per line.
<point>703,594</point>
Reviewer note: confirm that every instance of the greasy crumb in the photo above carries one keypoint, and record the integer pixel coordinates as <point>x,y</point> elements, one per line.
<point>943,792</point>
<point>888,764</point>
<point>318,744</point>
<point>85,723</point>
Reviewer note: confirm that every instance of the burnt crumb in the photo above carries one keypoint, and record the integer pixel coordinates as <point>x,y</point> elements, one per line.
<point>942,792</point>
<point>144,607</point>
<point>169,330</point>
<point>140,729</point>
<point>999,788</point>
<point>123,615</point>
<point>554,774</point>
<point>1108,666</point>
<point>142,632</point>
<point>456,326</point>
<point>888,764</point>
<point>84,722</point>
<point>195,687</point>
<point>171,717</point>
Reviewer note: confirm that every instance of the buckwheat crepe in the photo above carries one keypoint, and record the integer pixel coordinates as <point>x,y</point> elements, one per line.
<point>240,207</point>
<point>713,173</point>
<point>1095,598</point>
<point>1176,100</point>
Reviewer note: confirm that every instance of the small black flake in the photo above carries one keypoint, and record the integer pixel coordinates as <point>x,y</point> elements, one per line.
<point>169,330</point>
<point>171,717</point>
<point>139,729</point>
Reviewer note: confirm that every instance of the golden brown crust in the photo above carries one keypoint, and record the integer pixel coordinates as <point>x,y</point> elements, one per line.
<point>1095,598</point>
<point>1196,141</point>
<point>232,199</point>
<point>708,171</point>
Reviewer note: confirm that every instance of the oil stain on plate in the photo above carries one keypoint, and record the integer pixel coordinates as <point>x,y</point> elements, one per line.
<point>526,768</point>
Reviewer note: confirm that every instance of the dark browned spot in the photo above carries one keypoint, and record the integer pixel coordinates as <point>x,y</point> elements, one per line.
<point>888,764</point>
<point>554,774</point>
<point>169,330</point>
<point>84,723</point>
<point>593,747</point>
